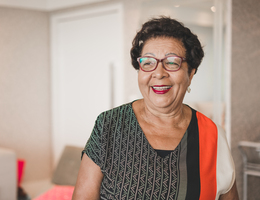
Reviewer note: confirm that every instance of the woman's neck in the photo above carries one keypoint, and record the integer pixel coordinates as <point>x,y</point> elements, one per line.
<point>172,116</point>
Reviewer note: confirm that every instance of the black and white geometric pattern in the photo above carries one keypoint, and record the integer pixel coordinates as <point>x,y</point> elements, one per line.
<point>132,168</point>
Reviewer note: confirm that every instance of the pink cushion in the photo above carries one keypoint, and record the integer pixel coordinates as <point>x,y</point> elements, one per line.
<point>58,192</point>
<point>20,167</point>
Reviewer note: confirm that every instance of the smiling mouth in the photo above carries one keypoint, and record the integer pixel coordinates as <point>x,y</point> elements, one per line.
<point>161,88</point>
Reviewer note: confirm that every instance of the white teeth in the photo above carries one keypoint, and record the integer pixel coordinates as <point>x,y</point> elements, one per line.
<point>162,88</point>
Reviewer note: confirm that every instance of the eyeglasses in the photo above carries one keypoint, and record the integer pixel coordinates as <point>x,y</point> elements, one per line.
<point>170,63</point>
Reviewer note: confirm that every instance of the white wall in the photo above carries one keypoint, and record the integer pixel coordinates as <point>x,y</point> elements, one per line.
<point>202,83</point>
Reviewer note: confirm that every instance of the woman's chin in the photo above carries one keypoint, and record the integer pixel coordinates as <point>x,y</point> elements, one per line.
<point>161,103</point>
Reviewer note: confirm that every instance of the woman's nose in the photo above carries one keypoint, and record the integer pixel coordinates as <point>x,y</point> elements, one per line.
<point>160,71</point>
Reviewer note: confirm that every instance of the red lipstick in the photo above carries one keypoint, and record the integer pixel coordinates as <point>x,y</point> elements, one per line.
<point>161,89</point>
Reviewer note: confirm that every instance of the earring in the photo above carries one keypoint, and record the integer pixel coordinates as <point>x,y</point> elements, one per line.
<point>188,89</point>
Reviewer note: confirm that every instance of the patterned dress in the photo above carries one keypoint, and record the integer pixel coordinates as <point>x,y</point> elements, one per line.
<point>201,166</point>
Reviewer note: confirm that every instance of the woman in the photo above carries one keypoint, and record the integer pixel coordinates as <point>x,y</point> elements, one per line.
<point>157,147</point>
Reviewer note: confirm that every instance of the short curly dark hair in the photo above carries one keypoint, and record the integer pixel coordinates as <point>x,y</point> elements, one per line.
<point>170,28</point>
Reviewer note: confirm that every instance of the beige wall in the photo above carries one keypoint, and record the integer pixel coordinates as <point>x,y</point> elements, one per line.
<point>25,88</point>
<point>245,92</point>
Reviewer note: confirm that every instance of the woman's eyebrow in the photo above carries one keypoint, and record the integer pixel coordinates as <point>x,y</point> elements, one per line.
<point>165,54</point>
<point>149,53</point>
<point>170,54</point>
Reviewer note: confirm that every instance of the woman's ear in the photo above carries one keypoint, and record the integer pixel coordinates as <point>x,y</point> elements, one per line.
<point>191,75</point>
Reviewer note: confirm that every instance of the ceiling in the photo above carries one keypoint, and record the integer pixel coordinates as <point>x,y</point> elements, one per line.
<point>46,5</point>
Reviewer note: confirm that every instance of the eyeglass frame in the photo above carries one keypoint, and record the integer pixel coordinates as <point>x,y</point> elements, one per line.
<point>160,60</point>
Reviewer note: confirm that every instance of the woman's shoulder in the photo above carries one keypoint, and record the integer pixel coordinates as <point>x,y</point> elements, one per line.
<point>202,118</point>
<point>116,111</point>
<point>118,108</point>
<point>205,122</point>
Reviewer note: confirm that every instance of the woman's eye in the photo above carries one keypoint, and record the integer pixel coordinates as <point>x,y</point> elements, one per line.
<point>147,63</point>
<point>171,63</point>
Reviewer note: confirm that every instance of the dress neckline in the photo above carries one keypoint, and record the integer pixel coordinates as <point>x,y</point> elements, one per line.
<point>150,146</point>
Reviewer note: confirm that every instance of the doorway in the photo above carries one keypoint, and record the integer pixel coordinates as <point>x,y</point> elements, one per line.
<point>86,74</point>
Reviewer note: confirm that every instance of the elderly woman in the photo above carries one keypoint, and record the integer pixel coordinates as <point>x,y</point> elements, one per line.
<point>157,147</point>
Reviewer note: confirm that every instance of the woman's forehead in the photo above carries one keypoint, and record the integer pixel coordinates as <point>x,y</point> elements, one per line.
<point>163,46</point>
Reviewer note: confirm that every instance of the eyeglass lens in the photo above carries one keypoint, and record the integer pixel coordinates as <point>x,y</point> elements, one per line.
<point>170,63</point>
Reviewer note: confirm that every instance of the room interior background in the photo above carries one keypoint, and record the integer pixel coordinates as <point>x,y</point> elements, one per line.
<point>52,88</point>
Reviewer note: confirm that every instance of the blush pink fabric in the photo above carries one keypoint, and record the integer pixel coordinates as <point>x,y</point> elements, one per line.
<point>58,192</point>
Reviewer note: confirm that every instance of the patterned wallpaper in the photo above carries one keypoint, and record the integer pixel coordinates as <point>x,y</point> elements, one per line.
<point>245,94</point>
